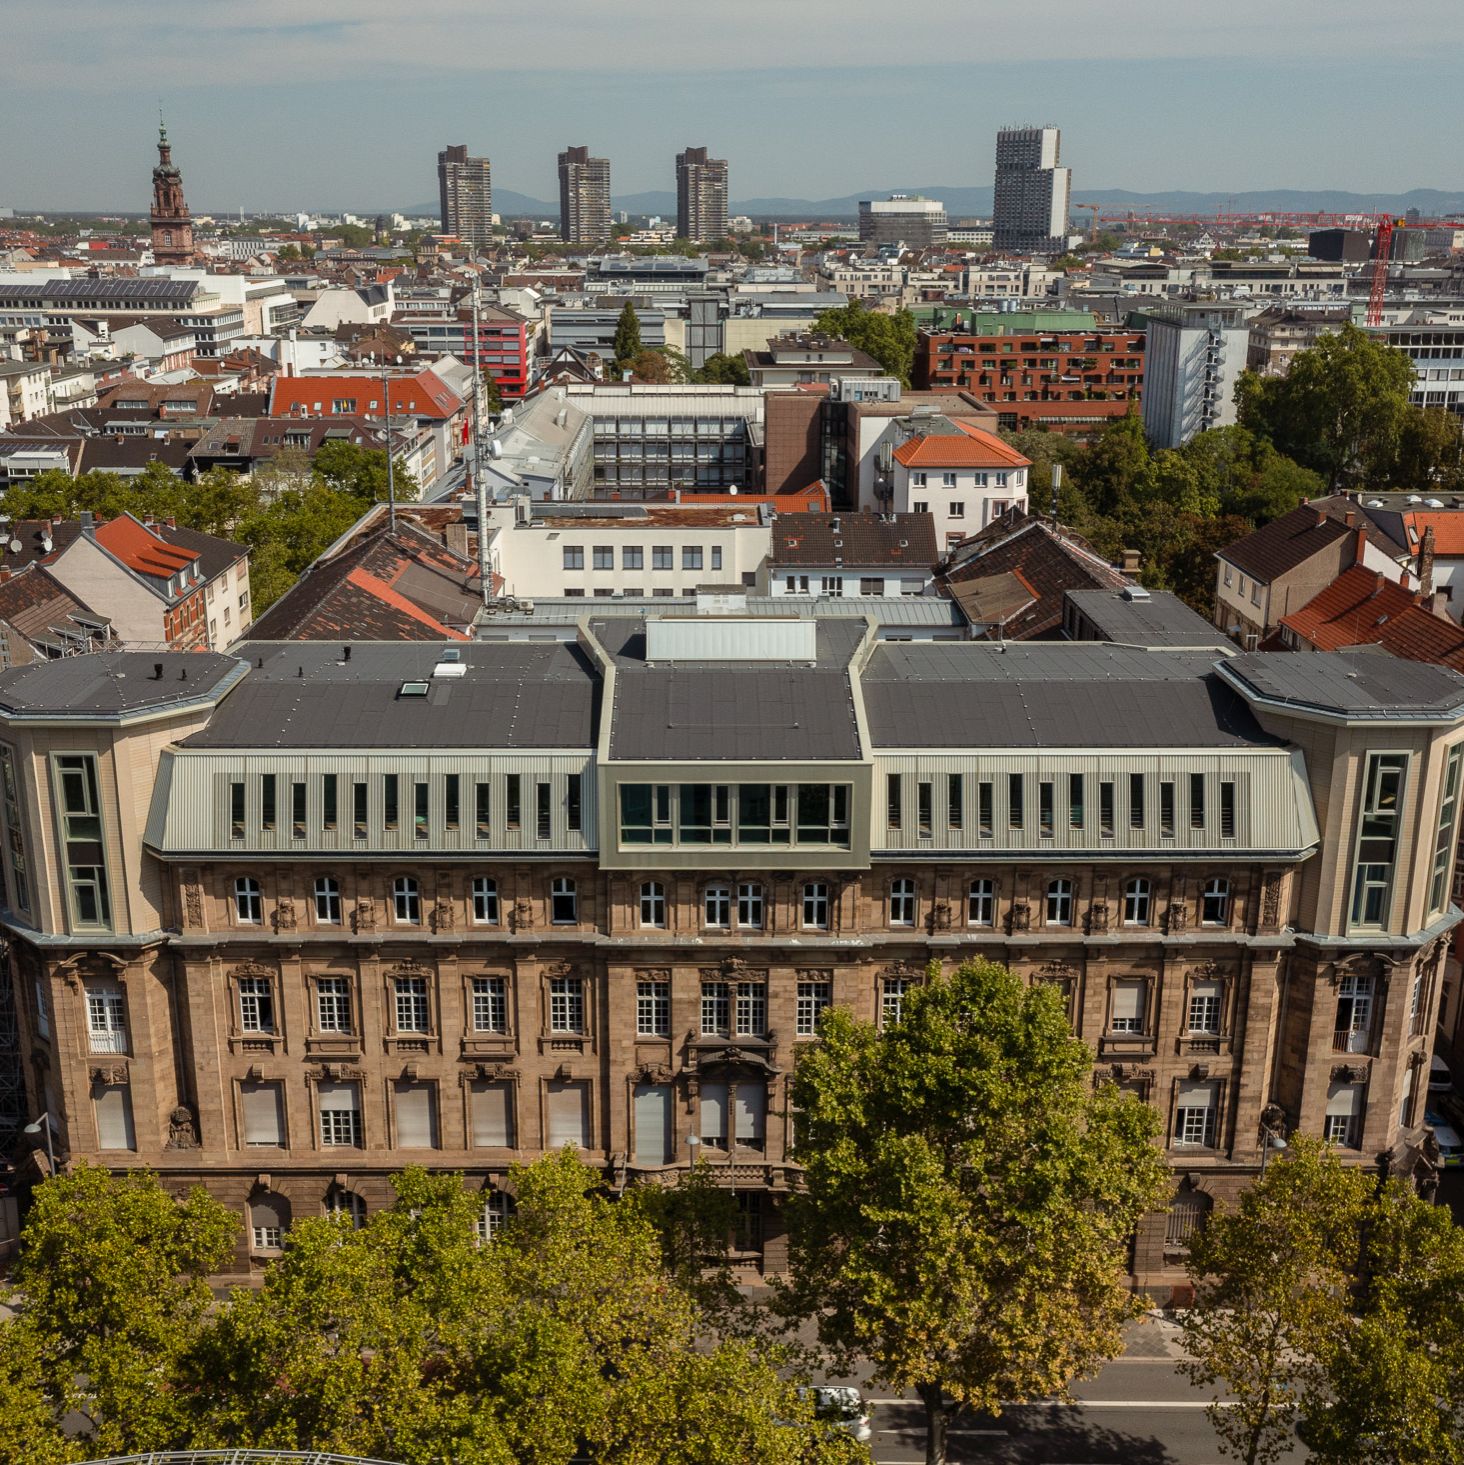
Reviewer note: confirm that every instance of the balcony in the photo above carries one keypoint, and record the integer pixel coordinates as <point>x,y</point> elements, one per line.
<point>110,1042</point>
<point>1351,1040</point>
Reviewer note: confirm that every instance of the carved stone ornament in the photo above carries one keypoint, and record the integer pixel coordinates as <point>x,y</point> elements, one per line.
<point>1019,918</point>
<point>1349,1073</point>
<point>246,970</point>
<point>734,968</point>
<point>556,970</point>
<point>656,1073</point>
<point>108,1073</point>
<point>407,968</point>
<point>1177,918</point>
<point>521,917</point>
<point>363,918</point>
<point>488,1073</point>
<point>815,974</point>
<point>338,1073</point>
<point>88,964</point>
<point>902,971</point>
<point>1098,916</point>
<point>1056,971</point>
<point>940,916</point>
<point>1271,899</point>
<point>182,1130</point>
<point>283,916</point>
<point>442,916</point>
<point>193,902</point>
<point>1208,971</point>
<point>653,973</point>
<point>1131,1073</point>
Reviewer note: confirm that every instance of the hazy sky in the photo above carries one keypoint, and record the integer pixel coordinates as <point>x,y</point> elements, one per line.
<point>344,103</point>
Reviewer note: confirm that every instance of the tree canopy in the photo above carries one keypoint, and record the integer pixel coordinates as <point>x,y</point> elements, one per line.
<point>890,339</point>
<point>627,337</point>
<point>969,1195</point>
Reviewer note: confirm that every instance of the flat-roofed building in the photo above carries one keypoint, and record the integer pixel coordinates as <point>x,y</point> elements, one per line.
<point>465,193</point>
<point>584,197</point>
<point>901,218</point>
<point>701,196</point>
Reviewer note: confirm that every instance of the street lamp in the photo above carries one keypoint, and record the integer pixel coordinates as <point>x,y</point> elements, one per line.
<point>390,466</point>
<point>692,1141</point>
<point>1272,1133</point>
<point>43,1126</point>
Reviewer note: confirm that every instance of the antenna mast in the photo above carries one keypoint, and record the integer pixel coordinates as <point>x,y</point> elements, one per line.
<point>480,483</point>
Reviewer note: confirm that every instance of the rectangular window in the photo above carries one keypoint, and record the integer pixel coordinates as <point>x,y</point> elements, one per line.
<point>750,906</point>
<point>1342,1124</point>
<point>652,1107</point>
<point>1227,809</point>
<point>1136,800</point>
<point>1197,800</point>
<point>981,903</point>
<point>1194,1116</point>
<point>955,801</point>
<point>256,1005</point>
<point>632,557</point>
<point>106,1019</point>
<point>1105,809</point>
<point>416,1115</point>
<point>645,813</point>
<point>892,800</point>
<point>485,900</point>
<point>329,801</point>
<point>566,1005</point>
<point>892,999</point>
<point>662,557</point>
<point>390,801</point>
<point>1044,809</point>
<point>542,812</point>
<point>602,557</point>
<point>573,808</point>
<point>653,1009</point>
<point>333,1004</point>
<point>513,805</point>
<point>421,811</point>
<point>490,1004</point>
<point>985,815</point>
<point>1204,1005</point>
<point>924,809</point>
<point>823,813</point>
<point>262,1110</point>
<point>1377,840</point>
<point>297,811</point>
<point>573,557</point>
<point>1128,1006</point>
<point>1353,1033</point>
<point>1016,799</point>
<point>81,833</point>
<point>816,906</point>
<point>691,557</point>
<point>236,811</point>
<point>814,999</point>
<point>482,808</point>
<point>1447,840</point>
<point>716,562</point>
<point>490,1103</point>
<point>452,805</point>
<point>1166,810</point>
<point>340,1113</point>
<point>267,810</point>
<point>411,1005</point>
<point>569,1114</point>
<point>114,1117</point>
<point>358,810</point>
<point>1075,800</point>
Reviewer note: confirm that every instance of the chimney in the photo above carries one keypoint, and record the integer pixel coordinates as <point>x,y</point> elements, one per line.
<point>1350,518</point>
<point>1129,561</point>
<point>1359,545</point>
<point>1426,562</point>
<point>1321,516</point>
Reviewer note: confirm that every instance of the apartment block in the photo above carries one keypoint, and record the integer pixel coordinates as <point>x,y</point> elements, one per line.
<point>1030,201</point>
<point>584,197</point>
<point>465,192</point>
<point>701,196</point>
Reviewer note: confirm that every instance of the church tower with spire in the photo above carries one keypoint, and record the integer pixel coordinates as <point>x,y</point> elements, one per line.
<point>172,224</point>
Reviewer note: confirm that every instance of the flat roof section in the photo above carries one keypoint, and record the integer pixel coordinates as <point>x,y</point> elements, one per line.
<point>107,684</point>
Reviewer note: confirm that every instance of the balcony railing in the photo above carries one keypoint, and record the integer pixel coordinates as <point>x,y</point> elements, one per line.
<point>111,1042</point>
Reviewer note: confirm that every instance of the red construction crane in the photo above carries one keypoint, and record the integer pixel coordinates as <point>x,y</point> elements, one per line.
<point>1381,248</point>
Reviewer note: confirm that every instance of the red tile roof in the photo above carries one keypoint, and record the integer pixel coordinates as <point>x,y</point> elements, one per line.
<point>974,448</point>
<point>140,549</point>
<point>1448,531</point>
<point>422,394</point>
<point>1361,608</point>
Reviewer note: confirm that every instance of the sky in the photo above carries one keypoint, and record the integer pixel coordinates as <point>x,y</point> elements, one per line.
<point>330,104</point>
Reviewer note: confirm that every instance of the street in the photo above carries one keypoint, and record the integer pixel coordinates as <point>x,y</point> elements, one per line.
<point>1138,1411</point>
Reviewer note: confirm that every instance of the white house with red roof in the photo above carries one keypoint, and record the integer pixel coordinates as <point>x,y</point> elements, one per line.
<point>959,474</point>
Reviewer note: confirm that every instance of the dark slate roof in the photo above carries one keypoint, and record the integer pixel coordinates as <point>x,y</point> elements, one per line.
<point>109,683</point>
<point>1156,618</point>
<point>309,695</point>
<point>1363,684</point>
<point>1283,544</point>
<point>856,541</point>
<point>45,612</point>
<point>752,711</point>
<point>976,695</point>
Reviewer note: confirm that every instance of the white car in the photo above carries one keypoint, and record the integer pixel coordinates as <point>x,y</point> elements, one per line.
<point>1451,1147</point>
<point>1440,1081</point>
<point>843,1405</point>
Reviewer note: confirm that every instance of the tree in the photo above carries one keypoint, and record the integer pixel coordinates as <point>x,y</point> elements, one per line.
<point>492,396</point>
<point>1112,469</point>
<point>725,370</point>
<point>1339,410</point>
<point>627,336</point>
<point>890,339</point>
<point>111,1283</point>
<point>1430,451</point>
<point>969,1195</point>
<point>361,472</point>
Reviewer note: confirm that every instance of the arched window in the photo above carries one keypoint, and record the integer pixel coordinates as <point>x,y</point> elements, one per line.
<point>1187,1217</point>
<point>406,898</point>
<point>1060,903</point>
<point>1137,901</point>
<point>902,902</point>
<point>652,903</point>
<point>1215,907</point>
<point>269,1219</point>
<point>343,1202</point>
<point>248,902</point>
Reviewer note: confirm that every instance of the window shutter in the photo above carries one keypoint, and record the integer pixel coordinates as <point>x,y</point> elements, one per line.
<point>569,1115</point>
<point>1206,987</point>
<point>653,1124</point>
<point>713,1111</point>
<point>339,1096</point>
<point>492,1106</point>
<point>1128,1000</point>
<point>1345,1099</point>
<point>269,1210</point>
<point>114,1117</point>
<point>751,1110</point>
<point>264,1122</point>
<point>416,1126</point>
<point>1195,1096</point>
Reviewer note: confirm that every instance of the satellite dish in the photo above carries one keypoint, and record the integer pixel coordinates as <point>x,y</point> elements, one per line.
<point>16,546</point>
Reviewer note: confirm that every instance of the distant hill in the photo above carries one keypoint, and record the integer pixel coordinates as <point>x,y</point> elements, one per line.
<point>961,202</point>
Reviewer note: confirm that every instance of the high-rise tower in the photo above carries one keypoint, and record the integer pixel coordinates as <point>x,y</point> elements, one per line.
<point>172,224</point>
<point>1030,206</point>
<point>584,197</point>
<point>701,196</point>
<point>465,188</point>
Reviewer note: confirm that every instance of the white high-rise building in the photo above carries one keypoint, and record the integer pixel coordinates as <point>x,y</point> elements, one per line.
<point>1196,352</point>
<point>1030,207</point>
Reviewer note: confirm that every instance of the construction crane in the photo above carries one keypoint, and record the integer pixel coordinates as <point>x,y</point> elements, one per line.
<point>1093,209</point>
<point>1382,247</point>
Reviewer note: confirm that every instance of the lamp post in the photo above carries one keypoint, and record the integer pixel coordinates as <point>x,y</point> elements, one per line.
<point>390,466</point>
<point>43,1126</point>
<point>692,1141</point>
<point>1272,1133</point>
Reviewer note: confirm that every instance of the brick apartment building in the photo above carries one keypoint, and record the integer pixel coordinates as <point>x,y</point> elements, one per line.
<point>1073,382</point>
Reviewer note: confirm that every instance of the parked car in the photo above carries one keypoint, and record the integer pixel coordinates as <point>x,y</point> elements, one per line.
<point>1440,1080</point>
<point>842,1405</point>
<point>1451,1147</point>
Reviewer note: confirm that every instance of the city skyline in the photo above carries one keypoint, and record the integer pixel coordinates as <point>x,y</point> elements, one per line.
<point>1206,106</point>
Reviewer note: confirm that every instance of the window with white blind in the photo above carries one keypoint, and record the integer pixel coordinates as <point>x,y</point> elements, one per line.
<point>340,1113</point>
<point>569,1114</point>
<point>713,1119</point>
<point>1128,1006</point>
<point>106,1017</point>
<point>490,1004</point>
<point>263,1109</point>
<point>113,1103</point>
<point>1205,997</point>
<point>653,1140</point>
<point>269,1219</point>
<point>1194,1116</point>
<point>1342,1124</point>
<point>491,1116</point>
<point>750,1112</point>
<point>416,1115</point>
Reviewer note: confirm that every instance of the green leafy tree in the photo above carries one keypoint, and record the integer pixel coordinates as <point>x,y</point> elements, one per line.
<point>30,1425</point>
<point>721,369</point>
<point>361,472</point>
<point>111,1282</point>
<point>627,336</point>
<point>492,396</point>
<point>1114,467</point>
<point>1339,410</point>
<point>1430,452</point>
<point>890,339</point>
<point>969,1196</point>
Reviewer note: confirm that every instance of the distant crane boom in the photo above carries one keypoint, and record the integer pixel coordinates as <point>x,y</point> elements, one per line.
<point>1382,247</point>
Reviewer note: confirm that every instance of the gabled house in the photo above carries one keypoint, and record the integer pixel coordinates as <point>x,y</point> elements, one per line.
<point>847,554</point>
